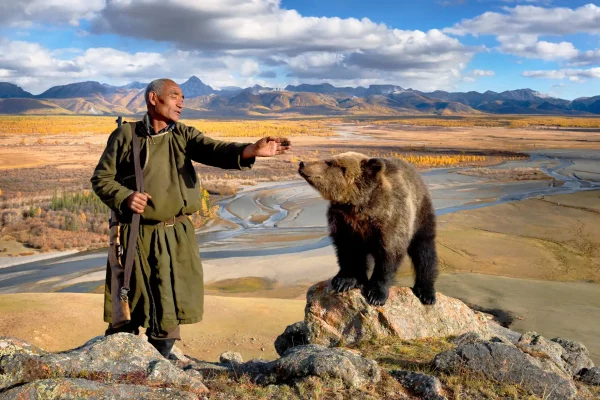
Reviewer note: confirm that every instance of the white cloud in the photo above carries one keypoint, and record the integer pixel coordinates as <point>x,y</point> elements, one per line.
<point>574,75</point>
<point>518,30</point>
<point>27,12</point>
<point>36,68</point>
<point>532,20</point>
<point>483,72</point>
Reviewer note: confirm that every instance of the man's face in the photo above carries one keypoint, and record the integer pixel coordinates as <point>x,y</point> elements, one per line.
<point>169,103</point>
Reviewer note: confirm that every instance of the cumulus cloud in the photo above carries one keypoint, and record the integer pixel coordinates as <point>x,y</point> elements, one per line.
<point>36,68</point>
<point>310,48</point>
<point>27,12</point>
<point>527,23</point>
<point>532,20</point>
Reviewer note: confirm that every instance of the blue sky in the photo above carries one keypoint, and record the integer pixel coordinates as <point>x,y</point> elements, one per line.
<point>552,46</point>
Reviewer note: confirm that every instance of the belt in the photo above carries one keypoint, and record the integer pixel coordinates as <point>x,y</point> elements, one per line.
<point>169,222</point>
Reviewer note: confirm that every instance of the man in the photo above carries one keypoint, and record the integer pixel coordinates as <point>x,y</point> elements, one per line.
<point>167,279</point>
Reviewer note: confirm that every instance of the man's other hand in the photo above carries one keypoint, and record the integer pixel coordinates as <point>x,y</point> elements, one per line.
<point>137,201</point>
<point>267,147</point>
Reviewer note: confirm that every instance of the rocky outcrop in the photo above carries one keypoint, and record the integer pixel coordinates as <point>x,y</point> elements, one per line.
<point>117,359</point>
<point>334,319</point>
<point>508,363</point>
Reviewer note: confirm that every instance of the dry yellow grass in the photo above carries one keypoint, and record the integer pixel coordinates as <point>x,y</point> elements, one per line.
<point>83,125</point>
<point>500,121</point>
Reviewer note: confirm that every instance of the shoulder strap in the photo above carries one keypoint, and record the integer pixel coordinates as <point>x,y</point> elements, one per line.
<point>134,228</point>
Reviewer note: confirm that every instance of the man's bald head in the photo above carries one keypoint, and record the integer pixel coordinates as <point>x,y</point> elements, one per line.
<point>156,86</point>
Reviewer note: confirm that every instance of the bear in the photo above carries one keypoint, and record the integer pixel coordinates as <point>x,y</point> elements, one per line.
<point>379,207</point>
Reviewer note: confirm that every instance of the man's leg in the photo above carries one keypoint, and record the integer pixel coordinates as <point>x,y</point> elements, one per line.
<point>164,340</point>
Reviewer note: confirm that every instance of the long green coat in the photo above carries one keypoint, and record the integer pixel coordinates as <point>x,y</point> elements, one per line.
<point>167,285</point>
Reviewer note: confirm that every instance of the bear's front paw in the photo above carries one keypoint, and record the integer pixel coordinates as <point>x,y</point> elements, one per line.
<point>426,295</point>
<point>344,283</point>
<point>376,295</point>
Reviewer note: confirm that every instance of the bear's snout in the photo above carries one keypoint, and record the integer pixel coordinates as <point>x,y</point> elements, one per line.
<point>301,164</point>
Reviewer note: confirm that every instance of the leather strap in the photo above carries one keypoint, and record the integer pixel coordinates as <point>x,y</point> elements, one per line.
<point>170,222</point>
<point>134,227</point>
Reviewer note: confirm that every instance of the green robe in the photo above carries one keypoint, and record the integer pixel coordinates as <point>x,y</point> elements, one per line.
<point>167,286</point>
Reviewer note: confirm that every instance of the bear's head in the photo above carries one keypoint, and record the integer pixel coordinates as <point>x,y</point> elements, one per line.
<point>348,178</point>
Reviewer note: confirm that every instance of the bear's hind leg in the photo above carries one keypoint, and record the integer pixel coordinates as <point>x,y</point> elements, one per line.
<point>424,257</point>
<point>352,260</point>
<point>377,290</point>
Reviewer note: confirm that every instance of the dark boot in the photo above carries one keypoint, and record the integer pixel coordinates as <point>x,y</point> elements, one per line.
<point>163,346</point>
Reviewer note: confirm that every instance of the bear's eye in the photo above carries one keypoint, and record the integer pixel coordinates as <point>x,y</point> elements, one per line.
<point>328,163</point>
<point>343,170</point>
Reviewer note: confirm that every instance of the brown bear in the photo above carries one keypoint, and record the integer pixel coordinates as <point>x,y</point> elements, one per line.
<point>379,207</point>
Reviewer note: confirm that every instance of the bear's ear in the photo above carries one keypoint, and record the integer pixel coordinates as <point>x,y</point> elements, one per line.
<point>373,166</point>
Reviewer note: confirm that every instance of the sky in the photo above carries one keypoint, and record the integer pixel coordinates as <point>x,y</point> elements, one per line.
<point>552,46</point>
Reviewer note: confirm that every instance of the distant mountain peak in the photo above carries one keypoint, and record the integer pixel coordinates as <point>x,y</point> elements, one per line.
<point>194,87</point>
<point>9,90</point>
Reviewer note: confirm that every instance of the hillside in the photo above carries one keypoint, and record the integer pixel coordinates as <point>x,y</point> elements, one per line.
<point>96,98</point>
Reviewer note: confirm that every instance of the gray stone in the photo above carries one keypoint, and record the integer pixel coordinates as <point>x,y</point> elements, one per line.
<point>500,331</point>
<point>427,387</point>
<point>591,376</point>
<point>75,389</point>
<point>294,335</point>
<point>314,360</point>
<point>575,355</point>
<point>507,363</point>
<point>231,358</point>
<point>116,359</point>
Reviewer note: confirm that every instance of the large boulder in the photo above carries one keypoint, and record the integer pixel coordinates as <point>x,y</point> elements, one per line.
<point>117,359</point>
<point>334,319</point>
<point>314,360</point>
<point>575,355</point>
<point>507,363</point>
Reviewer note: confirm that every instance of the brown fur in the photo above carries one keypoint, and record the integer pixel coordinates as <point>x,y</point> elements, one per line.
<point>378,207</point>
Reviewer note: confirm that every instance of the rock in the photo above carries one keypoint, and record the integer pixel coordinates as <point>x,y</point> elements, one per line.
<point>344,318</point>
<point>507,363</point>
<point>427,387</point>
<point>314,360</point>
<point>575,355</point>
<point>67,388</point>
<point>231,358</point>
<point>466,338</point>
<point>117,359</point>
<point>294,335</point>
<point>590,376</point>
<point>547,352</point>
<point>500,331</point>
<point>260,371</point>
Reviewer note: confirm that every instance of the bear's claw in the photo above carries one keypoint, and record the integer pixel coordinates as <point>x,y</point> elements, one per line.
<point>376,295</point>
<point>426,296</point>
<point>343,283</point>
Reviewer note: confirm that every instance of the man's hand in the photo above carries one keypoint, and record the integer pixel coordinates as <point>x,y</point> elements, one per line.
<point>137,201</point>
<point>267,147</point>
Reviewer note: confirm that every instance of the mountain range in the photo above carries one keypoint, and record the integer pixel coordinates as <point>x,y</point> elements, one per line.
<point>201,100</point>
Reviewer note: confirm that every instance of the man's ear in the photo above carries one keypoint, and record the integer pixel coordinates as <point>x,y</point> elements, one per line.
<point>153,98</point>
<point>373,166</point>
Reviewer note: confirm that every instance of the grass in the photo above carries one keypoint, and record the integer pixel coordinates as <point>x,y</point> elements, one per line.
<point>100,125</point>
<point>418,355</point>
<point>498,122</point>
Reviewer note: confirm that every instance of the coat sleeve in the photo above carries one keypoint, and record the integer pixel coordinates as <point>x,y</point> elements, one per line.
<point>216,153</point>
<point>104,181</point>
